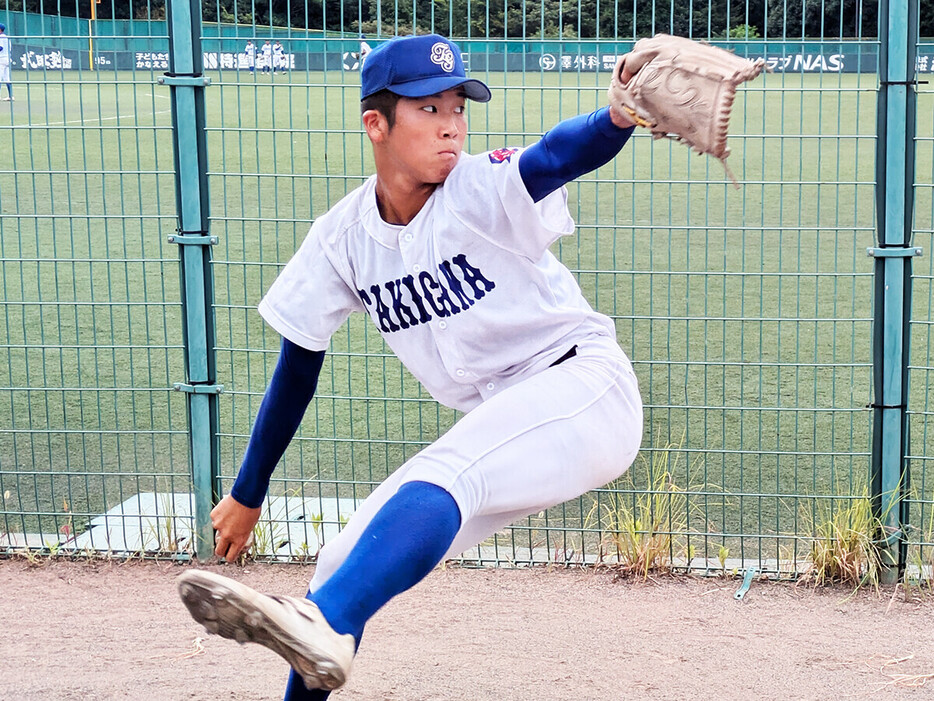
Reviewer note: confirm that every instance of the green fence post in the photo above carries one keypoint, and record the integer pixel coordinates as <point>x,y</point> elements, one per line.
<point>187,82</point>
<point>892,298</point>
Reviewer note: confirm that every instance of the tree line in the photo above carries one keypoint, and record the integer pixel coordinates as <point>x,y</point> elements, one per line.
<point>542,19</point>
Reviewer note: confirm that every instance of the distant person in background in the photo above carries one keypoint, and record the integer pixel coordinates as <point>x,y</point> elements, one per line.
<point>364,50</point>
<point>250,52</point>
<point>278,57</point>
<point>5,64</point>
<point>267,56</point>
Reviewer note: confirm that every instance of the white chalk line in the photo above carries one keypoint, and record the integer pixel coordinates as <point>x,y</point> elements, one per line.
<point>97,119</point>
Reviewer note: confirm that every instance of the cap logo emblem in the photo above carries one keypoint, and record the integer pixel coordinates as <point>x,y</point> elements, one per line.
<point>442,55</point>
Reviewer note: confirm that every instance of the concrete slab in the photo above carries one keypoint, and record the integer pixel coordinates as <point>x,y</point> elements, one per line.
<point>150,522</point>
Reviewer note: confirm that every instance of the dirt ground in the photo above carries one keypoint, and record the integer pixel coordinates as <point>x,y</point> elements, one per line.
<point>117,630</point>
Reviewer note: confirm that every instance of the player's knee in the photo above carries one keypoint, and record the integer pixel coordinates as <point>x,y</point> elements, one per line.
<point>330,558</point>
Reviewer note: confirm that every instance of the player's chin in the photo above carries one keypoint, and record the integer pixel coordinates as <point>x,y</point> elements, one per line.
<point>443,169</point>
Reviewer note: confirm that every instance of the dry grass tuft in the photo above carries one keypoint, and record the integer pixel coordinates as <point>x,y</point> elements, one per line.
<point>644,530</point>
<point>843,543</point>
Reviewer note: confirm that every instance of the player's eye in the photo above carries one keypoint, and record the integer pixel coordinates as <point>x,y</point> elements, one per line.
<point>459,109</point>
<point>430,108</point>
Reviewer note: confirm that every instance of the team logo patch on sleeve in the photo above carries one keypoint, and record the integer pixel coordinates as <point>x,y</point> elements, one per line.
<point>501,155</point>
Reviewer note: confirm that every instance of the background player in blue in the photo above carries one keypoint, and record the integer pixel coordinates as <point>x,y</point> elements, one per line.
<point>5,60</point>
<point>250,53</point>
<point>279,61</point>
<point>266,56</point>
<point>448,253</point>
<point>365,49</point>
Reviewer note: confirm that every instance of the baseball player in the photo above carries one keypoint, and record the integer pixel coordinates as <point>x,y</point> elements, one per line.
<point>5,64</point>
<point>364,50</point>
<point>267,56</point>
<point>449,255</point>
<point>278,57</point>
<point>250,52</point>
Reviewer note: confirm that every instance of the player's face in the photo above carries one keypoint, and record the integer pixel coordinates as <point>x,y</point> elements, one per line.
<point>428,136</point>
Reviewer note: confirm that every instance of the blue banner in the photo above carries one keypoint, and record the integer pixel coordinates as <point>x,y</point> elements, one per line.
<point>853,58</point>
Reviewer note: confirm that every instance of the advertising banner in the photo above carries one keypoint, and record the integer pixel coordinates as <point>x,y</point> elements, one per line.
<point>855,58</point>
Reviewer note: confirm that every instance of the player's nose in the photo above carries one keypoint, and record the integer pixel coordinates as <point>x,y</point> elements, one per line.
<point>450,128</point>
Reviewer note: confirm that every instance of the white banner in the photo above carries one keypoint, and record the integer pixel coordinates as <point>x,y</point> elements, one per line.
<point>54,59</point>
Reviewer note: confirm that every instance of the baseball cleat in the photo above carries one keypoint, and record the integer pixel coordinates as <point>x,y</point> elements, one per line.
<point>293,628</point>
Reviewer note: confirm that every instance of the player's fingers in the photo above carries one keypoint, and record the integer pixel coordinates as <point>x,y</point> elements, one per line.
<point>230,548</point>
<point>236,549</point>
<point>625,75</point>
<point>220,547</point>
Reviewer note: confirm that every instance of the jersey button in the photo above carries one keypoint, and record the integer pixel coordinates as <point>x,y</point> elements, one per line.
<point>408,237</point>
<point>416,268</point>
<point>490,385</point>
<point>460,373</point>
<point>442,325</point>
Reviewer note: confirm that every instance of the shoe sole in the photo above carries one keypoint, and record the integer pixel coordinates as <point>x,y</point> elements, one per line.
<point>226,608</point>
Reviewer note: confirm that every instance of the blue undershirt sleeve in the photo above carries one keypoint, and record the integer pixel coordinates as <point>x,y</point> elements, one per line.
<point>571,148</point>
<point>290,390</point>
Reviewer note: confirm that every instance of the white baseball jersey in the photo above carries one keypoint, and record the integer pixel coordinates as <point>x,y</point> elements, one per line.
<point>4,50</point>
<point>467,295</point>
<point>278,55</point>
<point>267,55</point>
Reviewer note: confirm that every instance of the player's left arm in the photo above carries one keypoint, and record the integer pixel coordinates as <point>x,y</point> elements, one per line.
<point>573,147</point>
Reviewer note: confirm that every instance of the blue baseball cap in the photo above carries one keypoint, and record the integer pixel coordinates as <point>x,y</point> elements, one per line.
<point>2,27</point>
<point>418,66</point>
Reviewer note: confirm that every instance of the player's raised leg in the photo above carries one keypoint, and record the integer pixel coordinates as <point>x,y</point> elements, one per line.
<point>402,543</point>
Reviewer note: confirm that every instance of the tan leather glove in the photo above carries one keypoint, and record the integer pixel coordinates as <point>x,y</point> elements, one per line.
<point>682,89</point>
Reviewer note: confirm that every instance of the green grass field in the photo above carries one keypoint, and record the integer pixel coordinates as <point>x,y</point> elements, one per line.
<point>746,312</point>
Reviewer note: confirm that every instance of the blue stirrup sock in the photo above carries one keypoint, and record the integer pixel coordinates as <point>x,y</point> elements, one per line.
<point>407,537</point>
<point>403,542</point>
<point>296,691</point>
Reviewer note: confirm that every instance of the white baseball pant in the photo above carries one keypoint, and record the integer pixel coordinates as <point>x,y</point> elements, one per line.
<point>573,427</point>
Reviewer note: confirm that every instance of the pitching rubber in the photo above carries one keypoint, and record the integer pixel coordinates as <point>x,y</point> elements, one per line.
<point>293,628</point>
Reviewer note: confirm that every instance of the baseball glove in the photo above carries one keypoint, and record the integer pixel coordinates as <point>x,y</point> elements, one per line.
<point>682,89</point>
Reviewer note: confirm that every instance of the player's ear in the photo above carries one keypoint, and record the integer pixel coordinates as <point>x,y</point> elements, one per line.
<point>376,125</point>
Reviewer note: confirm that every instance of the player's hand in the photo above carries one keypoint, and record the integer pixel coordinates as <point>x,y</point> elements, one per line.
<point>234,524</point>
<point>618,117</point>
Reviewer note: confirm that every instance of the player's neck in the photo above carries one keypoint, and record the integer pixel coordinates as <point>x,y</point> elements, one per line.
<point>400,202</point>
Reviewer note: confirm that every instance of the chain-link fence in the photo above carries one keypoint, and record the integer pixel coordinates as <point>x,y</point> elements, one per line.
<point>752,316</point>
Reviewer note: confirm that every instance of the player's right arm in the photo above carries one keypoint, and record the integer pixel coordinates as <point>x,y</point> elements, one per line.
<point>290,391</point>
<point>307,303</point>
